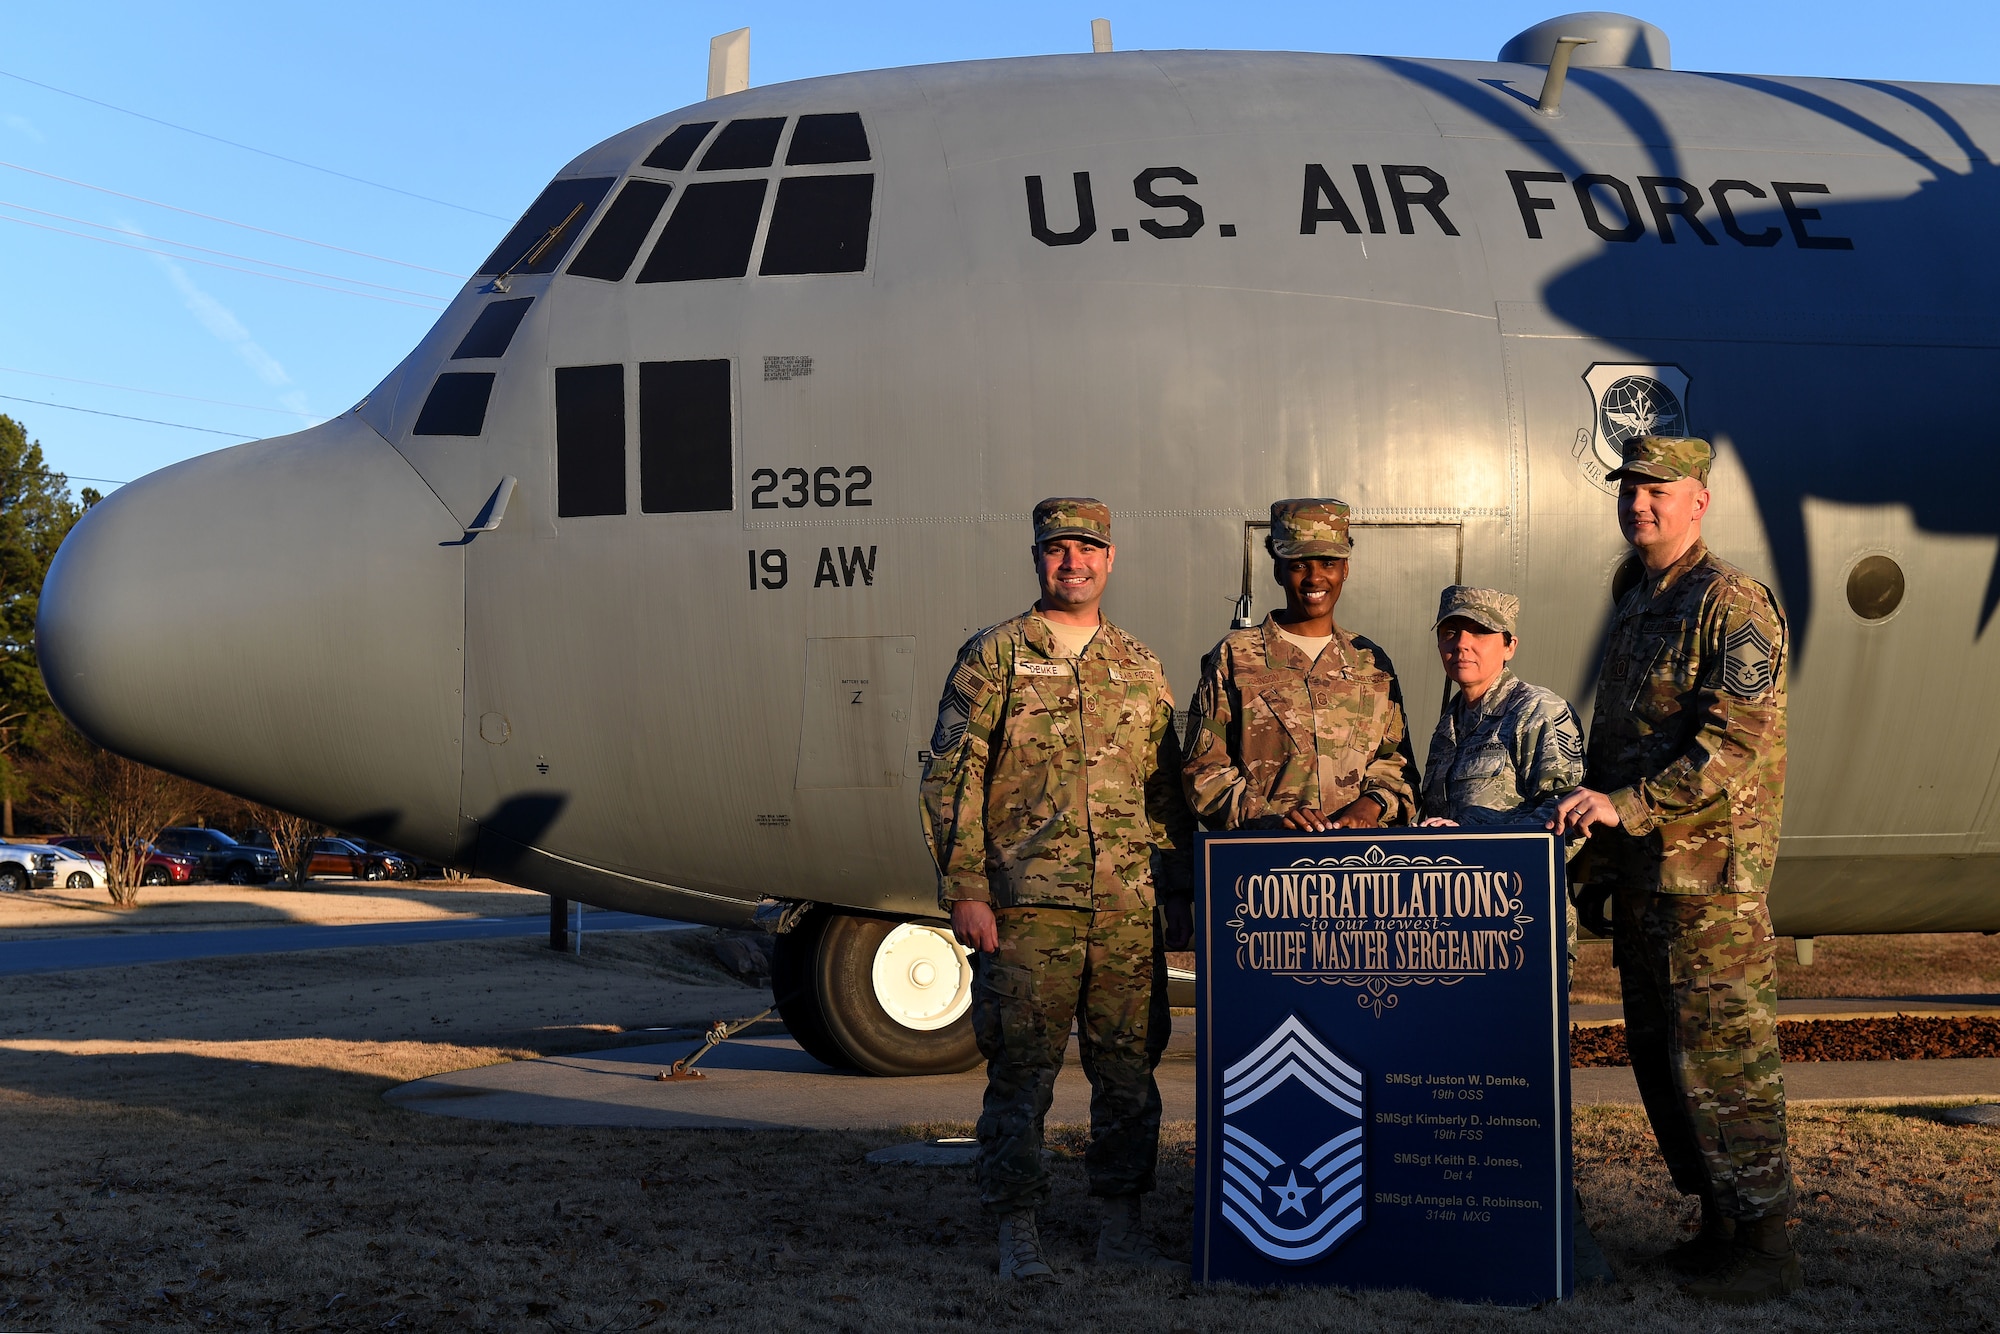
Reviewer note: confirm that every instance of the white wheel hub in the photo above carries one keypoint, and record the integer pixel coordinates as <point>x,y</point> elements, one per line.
<point>923,979</point>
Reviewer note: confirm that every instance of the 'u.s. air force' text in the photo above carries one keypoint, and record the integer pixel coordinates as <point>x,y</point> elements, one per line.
<point>1364,197</point>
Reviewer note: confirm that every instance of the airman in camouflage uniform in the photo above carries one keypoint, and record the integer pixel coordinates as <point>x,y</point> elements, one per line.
<point>1510,755</point>
<point>1053,810</point>
<point>1686,769</point>
<point>1283,738</point>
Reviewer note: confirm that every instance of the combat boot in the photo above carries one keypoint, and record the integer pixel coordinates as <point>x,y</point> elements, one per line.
<point>1762,1265</point>
<point>1021,1249</point>
<point>1125,1241</point>
<point>1707,1250</point>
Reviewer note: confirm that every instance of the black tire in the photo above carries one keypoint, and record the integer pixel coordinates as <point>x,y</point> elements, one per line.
<point>374,871</point>
<point>154,875</point>
<point>77,880</point>
<point>872,1038</point>
<point>13,880</point>
<point>240,873</point>
<point>795,986</point>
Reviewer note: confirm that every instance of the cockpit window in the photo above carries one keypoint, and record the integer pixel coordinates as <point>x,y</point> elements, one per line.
<point>615,244</point>
<point>709,234</point>
<point>457,404</point>
<point>685,436</point>
<point>744,144</point>
<point>565,204</point>
<point>493,330</point>
<point>675,150</point>
<point>590,441</point>
<point>834,138</point>
<point>820,225</point>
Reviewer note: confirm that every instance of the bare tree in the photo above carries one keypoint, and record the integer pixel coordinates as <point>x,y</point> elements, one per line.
<point>292,838</point>
<point>124,803</point>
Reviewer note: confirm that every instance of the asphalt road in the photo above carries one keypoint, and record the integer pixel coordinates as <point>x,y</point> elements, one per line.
<point>71,952</point>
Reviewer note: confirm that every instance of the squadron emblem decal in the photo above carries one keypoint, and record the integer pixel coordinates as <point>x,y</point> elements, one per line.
<point>1628,401</point>
<point>1747,666</point>
<point>1292,1146</point>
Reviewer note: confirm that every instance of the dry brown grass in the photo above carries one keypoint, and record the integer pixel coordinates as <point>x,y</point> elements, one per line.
<point>1955,964</point>
<point>215,1176</point>
<point>55,912</point>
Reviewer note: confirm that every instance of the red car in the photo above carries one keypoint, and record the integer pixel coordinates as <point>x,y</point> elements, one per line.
<point>162,868</point>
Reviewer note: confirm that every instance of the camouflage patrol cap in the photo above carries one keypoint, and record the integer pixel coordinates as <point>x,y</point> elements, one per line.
<point>1664,458</point>
<point>1073,516</point>
<point>1302,528</point>
<point>1482,606</point>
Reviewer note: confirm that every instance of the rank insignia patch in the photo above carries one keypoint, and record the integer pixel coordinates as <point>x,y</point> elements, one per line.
<point>1749,665</point>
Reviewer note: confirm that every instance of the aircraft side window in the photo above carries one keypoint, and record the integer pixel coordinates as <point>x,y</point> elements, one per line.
<point>686,433</point>
<point>832,138</point>
<point>590,441</point>
<point>744,144</point>
<point>709,233</point>
<point>456,404</point>
<point>565,204</point>
<point>493,330</point>
<point>820,225</point>
<point>675,150</point>
<point>615,244</point>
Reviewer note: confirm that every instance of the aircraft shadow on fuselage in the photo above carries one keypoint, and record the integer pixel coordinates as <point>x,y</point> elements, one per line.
<point>1904,421</point>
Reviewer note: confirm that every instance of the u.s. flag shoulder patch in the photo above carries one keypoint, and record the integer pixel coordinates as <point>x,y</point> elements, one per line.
<point>1749,662</point>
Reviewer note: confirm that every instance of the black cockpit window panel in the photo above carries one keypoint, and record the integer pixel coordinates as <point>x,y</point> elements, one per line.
<point>834,138</point>
<point>457,404</point>
<point>709,233</point>
<point>675,150</point>
<point>820,225</point>
<point>523,249</point>
<point>493,330</point>
<point>744,144</point>
<point>590,441</point>
<point>615,244</point>
<point>685,432</point>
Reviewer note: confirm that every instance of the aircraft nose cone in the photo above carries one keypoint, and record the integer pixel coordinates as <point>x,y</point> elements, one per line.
<point>279,620</point>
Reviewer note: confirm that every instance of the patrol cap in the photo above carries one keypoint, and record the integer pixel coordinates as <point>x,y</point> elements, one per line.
<point>1665,458</point>
<point>1302,528</point>
<point>1482,606</point>
<point>1073,516</point>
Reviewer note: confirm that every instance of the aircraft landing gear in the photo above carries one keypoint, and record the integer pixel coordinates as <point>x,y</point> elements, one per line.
<point>876,995</point>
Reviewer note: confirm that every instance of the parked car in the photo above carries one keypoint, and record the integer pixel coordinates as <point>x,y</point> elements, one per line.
<point>162,868</point>
<point>402,865</point>
<point>26,866</point>
<point>220,856</point>
<point>340,856</point>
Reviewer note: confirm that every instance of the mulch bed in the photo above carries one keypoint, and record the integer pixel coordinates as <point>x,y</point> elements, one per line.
<point>1890,1038</point>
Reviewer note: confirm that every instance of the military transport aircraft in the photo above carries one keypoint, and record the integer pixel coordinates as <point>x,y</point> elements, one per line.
<point>637,581</point>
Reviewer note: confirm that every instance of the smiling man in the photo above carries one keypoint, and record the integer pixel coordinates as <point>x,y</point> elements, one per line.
<point>1053,808</point>
<point>1684,787</point>
<point>1298,724</point>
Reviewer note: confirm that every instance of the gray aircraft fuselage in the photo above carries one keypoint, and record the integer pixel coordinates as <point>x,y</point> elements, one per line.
<point>692,659</point>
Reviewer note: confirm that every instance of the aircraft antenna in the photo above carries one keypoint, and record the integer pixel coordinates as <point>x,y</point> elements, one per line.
<point>1552,86</point>
<point>729,63</point>
<point>1100,35</point>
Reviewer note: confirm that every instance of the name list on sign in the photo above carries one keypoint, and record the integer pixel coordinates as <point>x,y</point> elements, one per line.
<point>1379,923</point>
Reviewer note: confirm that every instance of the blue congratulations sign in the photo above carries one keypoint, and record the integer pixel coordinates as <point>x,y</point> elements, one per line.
<point>1384,1056</point>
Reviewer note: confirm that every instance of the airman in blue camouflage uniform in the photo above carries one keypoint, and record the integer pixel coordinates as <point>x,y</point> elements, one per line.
<point>1504,752</point>
<point>1685,786</point>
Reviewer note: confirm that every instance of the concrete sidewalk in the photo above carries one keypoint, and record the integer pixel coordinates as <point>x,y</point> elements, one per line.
<point>767,1083</point>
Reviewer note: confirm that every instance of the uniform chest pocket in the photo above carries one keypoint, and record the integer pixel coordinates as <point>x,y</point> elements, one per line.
<point>1285,711</point>
<point>1669,674</point>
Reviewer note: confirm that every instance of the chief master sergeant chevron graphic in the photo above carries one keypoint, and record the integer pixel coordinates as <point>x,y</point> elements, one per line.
<point>1292,1146</point>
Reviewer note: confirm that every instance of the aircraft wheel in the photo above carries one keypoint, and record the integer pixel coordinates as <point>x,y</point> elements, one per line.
<point>794,972</point>
<point>897,996</point>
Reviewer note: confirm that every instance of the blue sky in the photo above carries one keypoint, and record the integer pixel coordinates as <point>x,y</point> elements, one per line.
<point>476,105</point>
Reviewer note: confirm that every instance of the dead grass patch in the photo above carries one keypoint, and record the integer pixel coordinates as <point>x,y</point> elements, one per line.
<point>1942,964</point>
